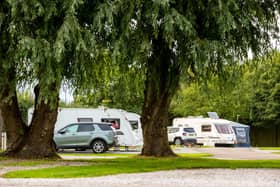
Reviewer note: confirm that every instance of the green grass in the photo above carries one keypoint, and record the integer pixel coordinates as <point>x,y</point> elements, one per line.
<point>99,167</point>
<point>194,155</point>
<point>97,155</point>
<point>25,162</point>
<point>269,148</point>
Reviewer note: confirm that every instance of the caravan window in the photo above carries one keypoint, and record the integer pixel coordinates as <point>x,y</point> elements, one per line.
<point>240,132</point>
<point>223,129</point>
<point>84,119</point>
<point>206,128</point>
<point>114,121</point>
<point>134,125</point>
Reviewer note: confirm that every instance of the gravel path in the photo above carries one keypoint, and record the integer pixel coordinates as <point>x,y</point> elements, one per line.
<point>175,178</point>
<point>238,153</point>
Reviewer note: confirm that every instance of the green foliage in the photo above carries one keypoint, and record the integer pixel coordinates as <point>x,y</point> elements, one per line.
<point>121,87</point>
<point>229,98</point>
<point>267,93</point>
<point>251,97</point>
<point>25,101</point>
<point>49,41</point>
<point>205,34</point>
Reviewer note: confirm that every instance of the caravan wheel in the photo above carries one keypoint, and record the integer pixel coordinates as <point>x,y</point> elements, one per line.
<point>99,146</point>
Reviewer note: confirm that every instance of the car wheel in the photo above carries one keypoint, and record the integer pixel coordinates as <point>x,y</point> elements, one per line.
<point>178,141</point>
<point>99,146</point>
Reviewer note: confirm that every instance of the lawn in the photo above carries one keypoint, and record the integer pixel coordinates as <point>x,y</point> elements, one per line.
<point>99,167</point>
<point>26,162</point>
<point>270,148</point>
<point>104,155</point>
<point>98,155</point>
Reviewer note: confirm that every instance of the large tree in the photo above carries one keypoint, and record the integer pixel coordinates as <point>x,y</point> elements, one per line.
<point>172,37</point>
<point>9,109</point>
<point>45,43</point>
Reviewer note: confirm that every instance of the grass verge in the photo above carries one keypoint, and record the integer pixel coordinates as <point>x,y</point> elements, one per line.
<point>26,162</point>
<point>97,155</point>
<point>100,167</point>
<point>269,148</point>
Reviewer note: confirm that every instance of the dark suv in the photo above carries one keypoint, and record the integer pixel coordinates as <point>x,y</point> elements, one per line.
<point>80,136</point>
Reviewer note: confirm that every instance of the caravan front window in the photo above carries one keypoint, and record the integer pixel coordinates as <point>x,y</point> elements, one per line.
<point>134,125</point>
<point>240,132</point>
<point>223,129</point>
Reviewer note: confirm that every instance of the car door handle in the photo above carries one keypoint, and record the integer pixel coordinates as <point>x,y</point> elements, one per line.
<point>73,134</point>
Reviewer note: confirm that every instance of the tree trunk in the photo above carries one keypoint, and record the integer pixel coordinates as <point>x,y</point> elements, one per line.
<point>13,124</point>
<point>38,141</point>
<point>162,80</point>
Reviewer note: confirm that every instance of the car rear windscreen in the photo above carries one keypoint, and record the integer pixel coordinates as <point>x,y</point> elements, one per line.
<point>188,130</point>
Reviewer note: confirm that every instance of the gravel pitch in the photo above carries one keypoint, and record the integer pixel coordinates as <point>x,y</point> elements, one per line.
<point>175,178</point>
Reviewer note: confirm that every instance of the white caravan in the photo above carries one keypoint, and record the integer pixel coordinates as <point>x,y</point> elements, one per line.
<point>126,124</point>
<point>210,132</point>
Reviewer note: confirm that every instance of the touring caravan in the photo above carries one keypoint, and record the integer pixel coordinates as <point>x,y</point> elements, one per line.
<point>210,132</point>
<point>127,125</point>
<point>214,131</point>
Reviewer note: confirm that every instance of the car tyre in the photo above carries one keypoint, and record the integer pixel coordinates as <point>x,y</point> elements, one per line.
<point>178,141</point>
<point>99,146</point>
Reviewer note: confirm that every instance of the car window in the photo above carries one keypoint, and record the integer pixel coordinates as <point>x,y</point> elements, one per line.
<point>169,130</point>
<point>71,129</point>
<point>173,130</point>
<point>188,130</point>
<point>104,127</point>
<point>85,128</point>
